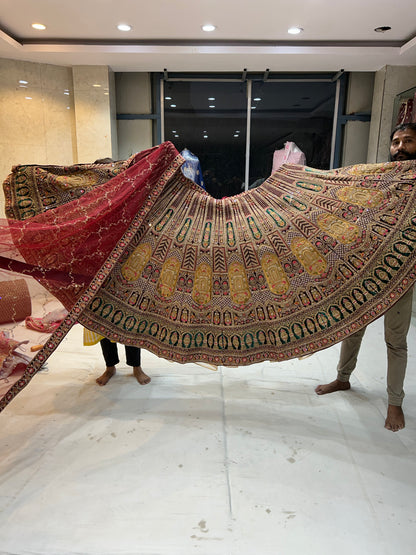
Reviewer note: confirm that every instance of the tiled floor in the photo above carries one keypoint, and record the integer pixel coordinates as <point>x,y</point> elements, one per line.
<point>246,461</point>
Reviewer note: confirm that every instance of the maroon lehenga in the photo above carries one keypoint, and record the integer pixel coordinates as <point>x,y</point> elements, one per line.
<point>148,258</point>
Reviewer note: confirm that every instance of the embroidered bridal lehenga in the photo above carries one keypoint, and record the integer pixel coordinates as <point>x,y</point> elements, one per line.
<point>138,253</point>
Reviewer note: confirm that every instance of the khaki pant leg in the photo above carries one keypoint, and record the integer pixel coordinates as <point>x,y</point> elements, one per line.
<point>348,356</point>
<point>396,325</point>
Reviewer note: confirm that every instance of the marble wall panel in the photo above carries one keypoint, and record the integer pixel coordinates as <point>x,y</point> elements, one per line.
<point>36,125</point>
<point>92,112</point>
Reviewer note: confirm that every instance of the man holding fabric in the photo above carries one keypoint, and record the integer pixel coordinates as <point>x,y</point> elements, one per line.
<point>396,320</point>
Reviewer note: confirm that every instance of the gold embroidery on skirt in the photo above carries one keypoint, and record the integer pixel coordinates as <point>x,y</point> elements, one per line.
<point>133,267</point>
<point>343,231</point>
<point>275,275</point>
<point>168,277</point>
<point>310,258</point>
<point>202,290</point>
<point>367,198</point>
<point>239,289</point>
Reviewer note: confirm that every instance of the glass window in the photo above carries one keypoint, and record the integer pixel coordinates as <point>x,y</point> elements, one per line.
<point>301,112</point>
<point>209,119</point>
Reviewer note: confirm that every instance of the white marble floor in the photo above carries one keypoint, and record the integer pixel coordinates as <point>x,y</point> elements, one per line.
<point>236,462</point>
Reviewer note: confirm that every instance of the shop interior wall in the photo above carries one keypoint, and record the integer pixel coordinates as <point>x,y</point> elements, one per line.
<point>54,115</point>
<point>133,99</point>
<point>389,82</point>
<point>359,100</point>
<point>61,117</point>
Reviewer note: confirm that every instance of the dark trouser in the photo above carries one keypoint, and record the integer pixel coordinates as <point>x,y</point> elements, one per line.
<point>110,353</point>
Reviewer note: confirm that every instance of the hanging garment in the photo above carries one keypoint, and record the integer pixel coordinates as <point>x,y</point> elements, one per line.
<point>192,167</point>
<point>282,271</point>
<point>290,154</point>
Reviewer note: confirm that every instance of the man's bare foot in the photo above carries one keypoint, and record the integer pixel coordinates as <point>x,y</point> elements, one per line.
<point>336,385</point>
<point>140,376</point>
<point>395,418</point>
<point>106,377</point>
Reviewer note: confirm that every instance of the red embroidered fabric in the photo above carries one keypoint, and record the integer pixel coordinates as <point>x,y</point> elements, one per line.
<point>150,259</point>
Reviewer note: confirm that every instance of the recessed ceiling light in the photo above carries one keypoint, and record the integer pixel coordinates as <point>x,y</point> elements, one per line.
<point>382,29</point>
<point>237,135</point>
<point>124,27</point>
<point>257,99</point>
<point>208,27</point>
<point>173,105</point>
<point>28,97</point>
<point>168,98</point>
<point>39,26</point>
<point>174,131</point>
<point>211,98</point>
<point>205,136</point>
<point>22,82</point>
<point>212,106</point>
<point>96,85</point>
<point>253,107</point>
<point>294,30</point>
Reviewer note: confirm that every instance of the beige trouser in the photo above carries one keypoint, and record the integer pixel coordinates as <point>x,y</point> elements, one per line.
<point>396,326</point>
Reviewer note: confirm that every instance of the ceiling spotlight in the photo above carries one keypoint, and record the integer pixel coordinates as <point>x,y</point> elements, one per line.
<point>382,29</point>
<point>39,26</point>
<point>294,30</point>
<point>124,27</point>
<point>208,27</point>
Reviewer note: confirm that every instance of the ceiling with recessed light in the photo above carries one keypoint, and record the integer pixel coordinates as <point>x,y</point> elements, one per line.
<point>334,34</point>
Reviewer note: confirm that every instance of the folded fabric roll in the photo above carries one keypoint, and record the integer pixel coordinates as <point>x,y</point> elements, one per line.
<point>15,303</point>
